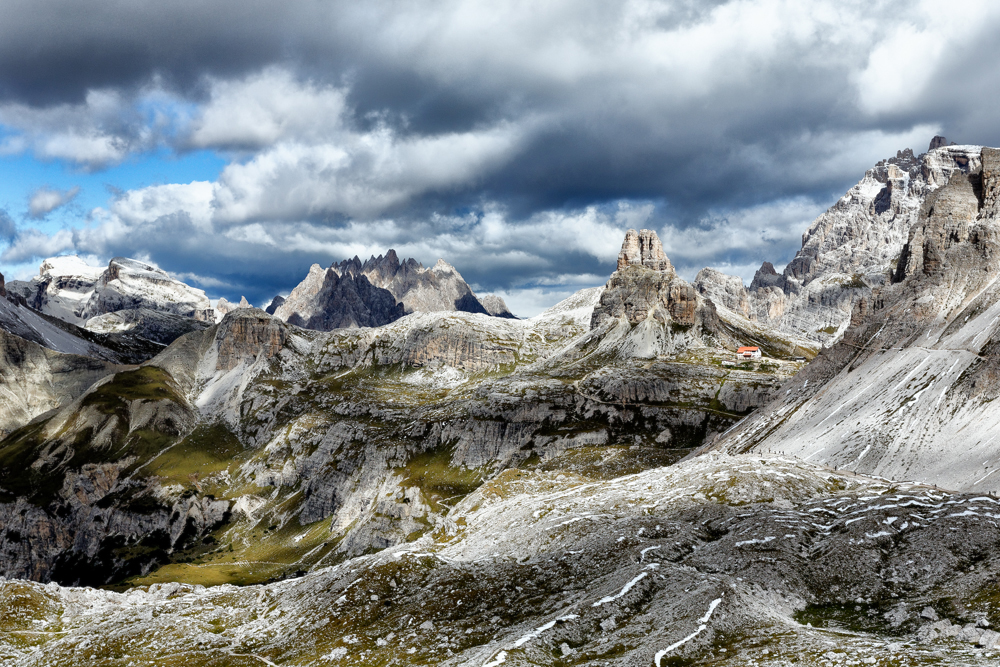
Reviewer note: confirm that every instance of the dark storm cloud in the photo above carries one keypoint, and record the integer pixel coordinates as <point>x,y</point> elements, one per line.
<point>459,129</point>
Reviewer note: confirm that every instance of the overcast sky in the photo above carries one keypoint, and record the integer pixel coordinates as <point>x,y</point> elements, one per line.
<point>236,142</point>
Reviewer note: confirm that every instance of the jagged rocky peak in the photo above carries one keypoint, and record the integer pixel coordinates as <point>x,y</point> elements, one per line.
<point>3,291</point>
<point>643,248</point>
<point>246,334</point>
<point>922,349</point>
<point>646,293</point>
<point>766,276</point>
<point>328,300</point>
<point>853,247</point>
<point>375,292</point>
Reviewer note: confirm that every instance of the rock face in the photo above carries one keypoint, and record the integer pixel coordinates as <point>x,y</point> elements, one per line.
<point>35,379</point>
<point>496,307</point>
<point>672,313</point>
<point>376,292</point>
<point>152,325</point>
<point>643,248</point>
<point>723,290</point>
<point>853,247</point>
<point>910,392</point>
<point>70,289</point>
<point>328,300</point>
<point>248,334</point>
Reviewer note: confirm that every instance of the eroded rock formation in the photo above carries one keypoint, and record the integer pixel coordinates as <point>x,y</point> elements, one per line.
<point>643,248</point>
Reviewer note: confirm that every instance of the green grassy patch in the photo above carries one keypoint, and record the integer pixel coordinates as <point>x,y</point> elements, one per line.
<point>207,450</point>
<point>441,483</point>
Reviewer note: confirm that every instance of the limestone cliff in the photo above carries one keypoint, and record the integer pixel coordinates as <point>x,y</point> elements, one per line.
<point>910,391</point>
<point>853,247</point>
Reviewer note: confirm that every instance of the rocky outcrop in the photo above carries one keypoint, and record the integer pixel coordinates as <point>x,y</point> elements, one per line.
<point>637,294</point>
<point>3,291</point>
<point>70,289</point>
<point>850,249</point>
<point>910,391</point>
<point>643,248</point>
<point>375,292</point>
<point>439,288</point>
<point>248,334</point>
<point>496,307</point>
<point>723,290</point>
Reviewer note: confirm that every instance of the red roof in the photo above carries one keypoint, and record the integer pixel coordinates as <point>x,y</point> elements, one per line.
<point>746,349</point>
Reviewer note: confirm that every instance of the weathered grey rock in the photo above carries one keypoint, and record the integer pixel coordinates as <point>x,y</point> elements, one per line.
<point>922,349</point>
<point>496,307</point>
<point>989,639</point>
<point>723,290</point>
<point>643,248</point>
<point>853,247</point>
<point>153,325</point>
<point>537,566</point>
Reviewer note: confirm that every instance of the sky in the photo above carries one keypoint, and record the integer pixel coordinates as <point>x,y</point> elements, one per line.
<point>234,143</point>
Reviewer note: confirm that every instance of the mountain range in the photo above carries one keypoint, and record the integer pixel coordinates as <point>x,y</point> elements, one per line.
<point>381,468</point>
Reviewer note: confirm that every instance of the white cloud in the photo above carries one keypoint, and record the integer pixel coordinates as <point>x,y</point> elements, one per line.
<point>100,131</point>
<point>266,108</point>
<point>33,243</point>
<point>771,231</point>
<point>908,56</point>
<point>44,200</point>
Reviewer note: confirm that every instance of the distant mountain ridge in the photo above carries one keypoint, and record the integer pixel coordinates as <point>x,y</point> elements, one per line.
<point>70,289</point>
<point>375,292</point>
<point>851,248</point>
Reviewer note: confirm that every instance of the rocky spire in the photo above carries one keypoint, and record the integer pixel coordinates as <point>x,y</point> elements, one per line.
<point>643,248</point>
<point>939,142</point>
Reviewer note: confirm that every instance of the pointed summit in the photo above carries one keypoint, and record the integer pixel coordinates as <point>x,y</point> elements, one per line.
<point>643,248</point>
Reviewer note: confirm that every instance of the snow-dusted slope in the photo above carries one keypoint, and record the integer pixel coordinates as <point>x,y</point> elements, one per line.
<point>910,394</point>
<point>68,288</point>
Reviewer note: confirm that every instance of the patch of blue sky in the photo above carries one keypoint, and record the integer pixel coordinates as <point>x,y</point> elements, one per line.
<point>23,174</point>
